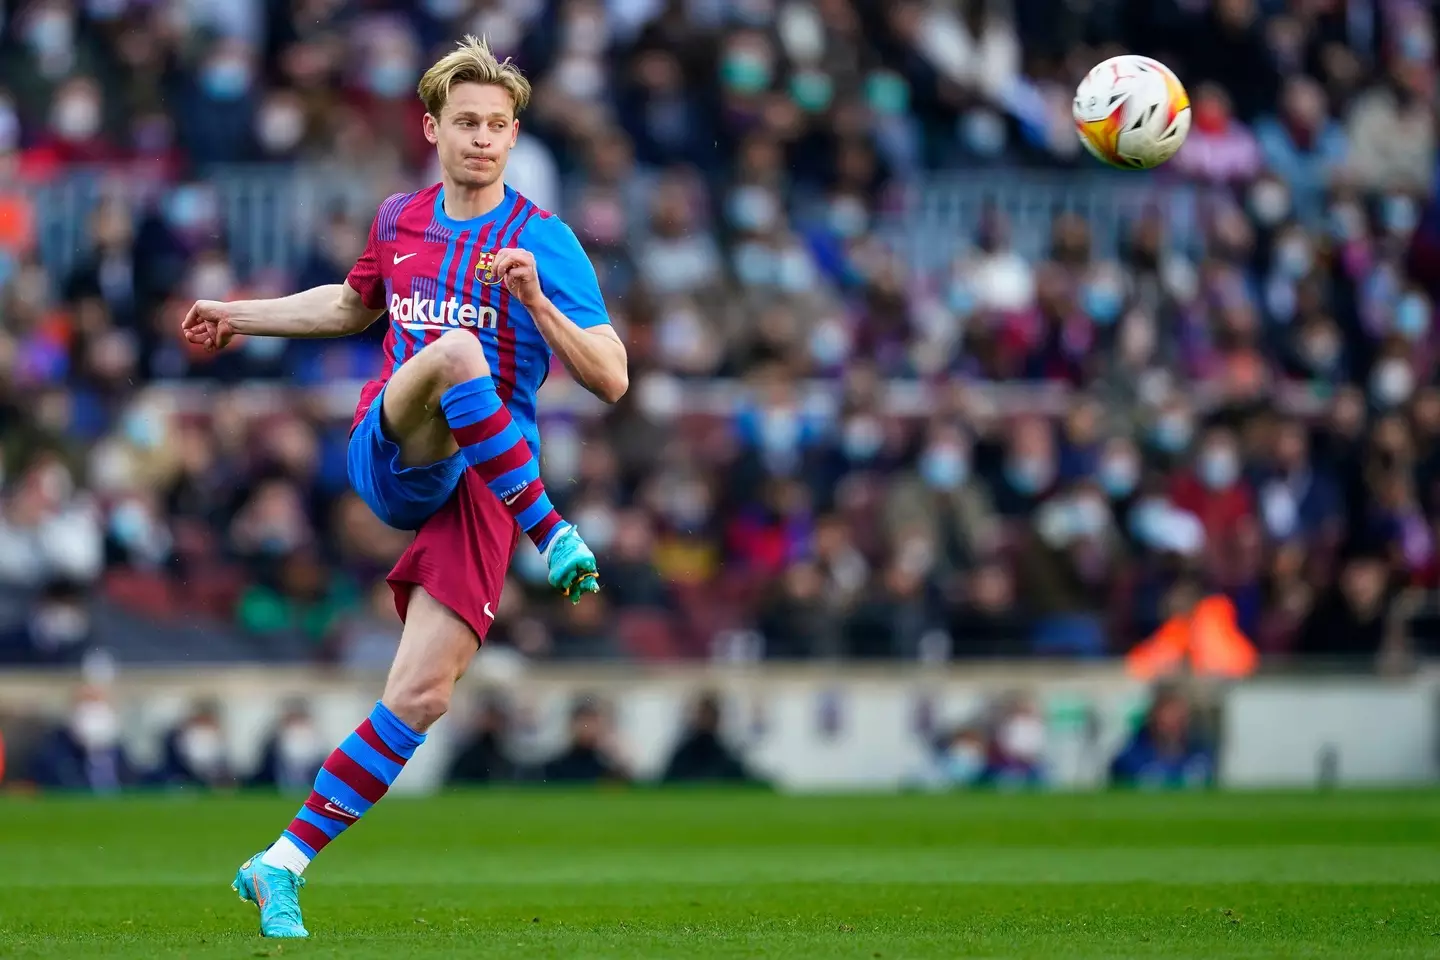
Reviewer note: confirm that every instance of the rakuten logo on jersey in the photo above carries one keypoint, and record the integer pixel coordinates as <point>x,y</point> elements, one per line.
<point>414,311</point>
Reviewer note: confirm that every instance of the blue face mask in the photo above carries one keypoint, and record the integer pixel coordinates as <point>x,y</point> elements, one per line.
<point>1412,318</point>
<point>226,80</point>
<point>1029,476</point>
<point>983,132</point>
<point>1219,470</point>
<point>944,468</point>
<point>1399,215</point>
<point>1118,478</point>
<point>1102,302</point>
<point>390,80</point>
<point>1172,435</point>
<point>862,440</point>
<point>960,299</point>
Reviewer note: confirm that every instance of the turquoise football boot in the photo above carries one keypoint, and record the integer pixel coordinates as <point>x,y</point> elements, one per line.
<point>572,564</point>
<point>276,891</point>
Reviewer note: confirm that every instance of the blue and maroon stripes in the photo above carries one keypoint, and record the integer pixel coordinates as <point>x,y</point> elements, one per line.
<point>494,447</point>
<point>387,220</point>
<point>508,236</point>
<point>353,779</point>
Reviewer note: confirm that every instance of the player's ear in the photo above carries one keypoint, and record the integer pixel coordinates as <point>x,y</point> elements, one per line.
<point>514,132</point>
<point>431,127</point>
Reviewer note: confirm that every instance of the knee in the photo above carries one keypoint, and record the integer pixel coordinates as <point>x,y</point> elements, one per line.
<point>419,703</point>
<point>458,357</point>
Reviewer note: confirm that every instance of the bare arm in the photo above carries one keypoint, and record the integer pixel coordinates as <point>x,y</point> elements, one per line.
<point>335,310</point>
<point>595,356</point>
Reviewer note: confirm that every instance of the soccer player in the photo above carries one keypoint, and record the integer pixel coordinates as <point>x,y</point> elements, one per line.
<point>481,287</point>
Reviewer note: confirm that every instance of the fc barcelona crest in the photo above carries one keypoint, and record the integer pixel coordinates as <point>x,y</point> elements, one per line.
<point>485,268</point>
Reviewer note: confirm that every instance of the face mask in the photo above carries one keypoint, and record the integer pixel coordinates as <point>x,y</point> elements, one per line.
<point>299,743</point>
<point>829,343</point>
<point>95,725</point>
<point>280,128</point>
<point>1219,469</point>
<point>1392,383</point>
<point>755,265</point>
<point>105,10</point>
<point>1118,477</point>
<point>445,9</point>
<point>211,282</point>
<point>1322,354</point>
<point>389,79</point>
<point>1270,202</point>
<point>77,117</point>
<point>1293,258</point>
<point>60,624</point>
<point>1088,516</point>
<point>1023,737</point>
<point>752,209</point>
<point>1399,215</point>
<point>1029,476</point>
<point>226,80</point>
<point>848,217</point>
<point>960,299</point>
<point>795,273</point>
<point>599,526</point>
<point>51,33</point>
<point>862,439</point>
<point>144,429</point>
<point>130,525</point>
<point>983,132</point>
<point>779,431</point>
<point>745,71</point>
<point>187,208</point>
<point>1172,434</point>
<point>887,94</point>
<point>1103,302</point>
<point>811,90</point>
<point>1347,222</point>
<point>202,748</point>
<point>9,127</point>
<point>1412,317</point>
<point>580,78</point>
<point>963,763</point>
<point>1417,44</point>
<point>944,467</point>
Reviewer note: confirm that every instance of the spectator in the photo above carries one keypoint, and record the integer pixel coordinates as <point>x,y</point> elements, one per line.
<point>701,754</point>
<point>1166,752</point>
<point>484,756</point>
<point>194,753</point>
<point>590,757</point>
<point>85,753</point>
<point>292,756</point>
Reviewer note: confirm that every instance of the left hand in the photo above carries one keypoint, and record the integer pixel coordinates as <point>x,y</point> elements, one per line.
<point>516,268</point>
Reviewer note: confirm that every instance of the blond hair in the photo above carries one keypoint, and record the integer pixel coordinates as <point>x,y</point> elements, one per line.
<point>472,62</point>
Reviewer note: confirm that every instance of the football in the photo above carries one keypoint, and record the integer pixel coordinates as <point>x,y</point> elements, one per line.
<point>1132,112</point>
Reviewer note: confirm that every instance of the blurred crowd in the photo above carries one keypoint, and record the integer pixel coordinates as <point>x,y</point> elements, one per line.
<point>1254,413</point>
<point>1007,745</point>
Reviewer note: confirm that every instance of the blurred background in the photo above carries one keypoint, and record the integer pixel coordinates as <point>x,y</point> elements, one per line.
<point>949,456</point>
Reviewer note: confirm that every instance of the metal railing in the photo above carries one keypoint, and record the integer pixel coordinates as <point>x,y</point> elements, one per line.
<point>270,215</point>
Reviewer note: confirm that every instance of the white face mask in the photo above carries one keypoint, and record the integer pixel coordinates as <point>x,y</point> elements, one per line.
<point>299,743</point>
<point>1392,383</point>
<point>280,127</point>
<point>77,117</point>
<point>598,524</point>
<point>95,725</point>
<point>1023,737</point>
<point>203,748</point>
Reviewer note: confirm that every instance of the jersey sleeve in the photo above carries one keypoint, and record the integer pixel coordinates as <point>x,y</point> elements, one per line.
<point>568,277</point>
<point>365,276</point>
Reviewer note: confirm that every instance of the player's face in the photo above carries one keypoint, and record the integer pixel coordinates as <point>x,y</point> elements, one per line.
<point>474,133</point>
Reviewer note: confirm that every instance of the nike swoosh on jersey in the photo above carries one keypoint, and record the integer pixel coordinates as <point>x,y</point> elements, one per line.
<point>400,259</point>
<point>487,610</point>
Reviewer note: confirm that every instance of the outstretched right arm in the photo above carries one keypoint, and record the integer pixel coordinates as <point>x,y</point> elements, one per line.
<point>336,310</point>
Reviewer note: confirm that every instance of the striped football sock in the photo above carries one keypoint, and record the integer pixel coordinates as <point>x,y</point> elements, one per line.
<point>352,780</point>
<point>494,447</point>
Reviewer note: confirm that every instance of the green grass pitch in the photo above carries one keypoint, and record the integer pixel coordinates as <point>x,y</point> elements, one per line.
<point>702,875</point>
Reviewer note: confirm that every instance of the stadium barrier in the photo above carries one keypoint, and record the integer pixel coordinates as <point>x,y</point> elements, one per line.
<point>813,728</point>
